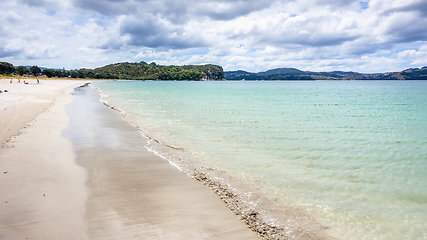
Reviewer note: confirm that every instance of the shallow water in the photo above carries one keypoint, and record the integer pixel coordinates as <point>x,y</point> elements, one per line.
<point>353,154</point>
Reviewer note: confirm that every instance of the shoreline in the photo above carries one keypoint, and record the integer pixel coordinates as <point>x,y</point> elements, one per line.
<point>260,213</point>
<point>135,192</point>
<point>97,171</point>
<point>114,188</point>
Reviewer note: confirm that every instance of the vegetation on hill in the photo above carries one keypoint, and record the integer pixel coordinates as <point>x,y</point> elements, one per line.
<point>129,71</point>
<point>152,71</point>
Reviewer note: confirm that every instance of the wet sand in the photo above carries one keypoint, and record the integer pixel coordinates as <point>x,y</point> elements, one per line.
<point>135,193</point>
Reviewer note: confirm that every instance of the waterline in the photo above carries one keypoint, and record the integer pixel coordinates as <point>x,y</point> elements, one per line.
<point>352,154</point>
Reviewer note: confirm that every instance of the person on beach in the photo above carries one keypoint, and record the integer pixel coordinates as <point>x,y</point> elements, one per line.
<point>10,81</point>
<point>19,80</point>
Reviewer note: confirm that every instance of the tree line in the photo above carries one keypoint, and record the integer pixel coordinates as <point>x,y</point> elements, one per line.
<point>8,69</point>
<point>130,71</point>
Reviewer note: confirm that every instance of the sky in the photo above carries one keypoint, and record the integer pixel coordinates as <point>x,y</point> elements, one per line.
<point>253,35</point>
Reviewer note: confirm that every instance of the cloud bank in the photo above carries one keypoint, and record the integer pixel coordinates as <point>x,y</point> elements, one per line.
<point>253,35</point>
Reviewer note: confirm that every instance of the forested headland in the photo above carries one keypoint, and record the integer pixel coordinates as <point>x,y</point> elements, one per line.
<point>127,71</point>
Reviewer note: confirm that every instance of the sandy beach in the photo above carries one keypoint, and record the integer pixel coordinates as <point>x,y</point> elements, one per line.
<point>75,170</point>
<point>42,189</point>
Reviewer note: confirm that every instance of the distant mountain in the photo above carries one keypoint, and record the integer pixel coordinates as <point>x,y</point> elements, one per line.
<point>44,68</point>
<point>241,75</point>
<point>283,72</point>
<point>274,74</point>
<point>296,74</point>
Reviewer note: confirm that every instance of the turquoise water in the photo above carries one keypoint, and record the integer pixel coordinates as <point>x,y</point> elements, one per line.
<point>353,154</point>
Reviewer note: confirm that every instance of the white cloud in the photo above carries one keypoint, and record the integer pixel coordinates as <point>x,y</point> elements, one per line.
<point>150,54</point>
<point>368,36</point>
<point>417,57</point>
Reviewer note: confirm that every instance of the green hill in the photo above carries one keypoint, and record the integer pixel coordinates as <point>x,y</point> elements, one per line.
<point>152,71</point>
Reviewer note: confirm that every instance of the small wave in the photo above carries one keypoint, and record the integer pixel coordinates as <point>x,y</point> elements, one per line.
<point>255,209</point>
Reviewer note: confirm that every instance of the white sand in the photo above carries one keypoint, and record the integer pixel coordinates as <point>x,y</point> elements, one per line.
<point>42,189</point>
<point>23,102</point>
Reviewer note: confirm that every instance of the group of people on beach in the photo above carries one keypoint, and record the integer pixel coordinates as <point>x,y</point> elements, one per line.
<point>25,82</point>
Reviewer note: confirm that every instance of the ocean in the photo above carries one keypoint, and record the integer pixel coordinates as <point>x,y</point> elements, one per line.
<point>352,155</point>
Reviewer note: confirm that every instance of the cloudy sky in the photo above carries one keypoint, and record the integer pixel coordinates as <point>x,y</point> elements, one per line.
<point>252,35</point>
